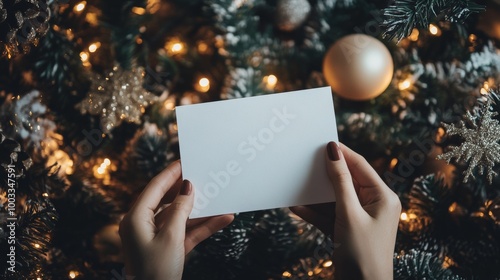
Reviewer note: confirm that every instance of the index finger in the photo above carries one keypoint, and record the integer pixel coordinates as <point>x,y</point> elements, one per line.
<point>360,169</point>
<point>157,188</point>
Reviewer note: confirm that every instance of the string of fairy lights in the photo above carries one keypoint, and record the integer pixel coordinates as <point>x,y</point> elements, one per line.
<point>174,47</point>
<point>103,168</point>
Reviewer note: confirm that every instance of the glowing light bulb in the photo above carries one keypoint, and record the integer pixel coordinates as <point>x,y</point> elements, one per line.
<point>393,163</point>
<point>37,245</point>
<point>177,47</point>
<point>169,105</point>
<point>406,84</point>
<point>327,263</point>
<point>153,6</point>
<point>92,19</point>
<point>73,274</point>
<point>107,162</point>
<point>80,6</point>
<point>452,207</point>
<point>286,274</point>
<point>434,30</point>
<point>404,217</point>
<point>440,135</point>
<point>441,132</point>
<point>485,89</point>
<point>472,38</point>
<point>202,47</point>
<point>203,84</point>
<point>138,10</point>
<point>414,35</point>
<point>93,47</point>
<point>447,262</point>
<point>270,81</point>
<point>84,56</point>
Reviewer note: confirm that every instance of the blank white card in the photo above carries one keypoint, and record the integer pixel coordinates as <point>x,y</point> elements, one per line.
<point>258,152</point>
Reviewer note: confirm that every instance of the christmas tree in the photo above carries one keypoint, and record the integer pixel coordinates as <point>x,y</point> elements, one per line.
<point>87,97</point>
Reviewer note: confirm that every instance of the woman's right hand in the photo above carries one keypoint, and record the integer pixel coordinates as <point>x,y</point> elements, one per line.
<point>365,217</point>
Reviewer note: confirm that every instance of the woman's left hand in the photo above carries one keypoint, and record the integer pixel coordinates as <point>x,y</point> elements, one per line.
<point>155,244</point>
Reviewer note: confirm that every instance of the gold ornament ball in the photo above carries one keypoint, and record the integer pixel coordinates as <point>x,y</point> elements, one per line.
<point>358,67</point>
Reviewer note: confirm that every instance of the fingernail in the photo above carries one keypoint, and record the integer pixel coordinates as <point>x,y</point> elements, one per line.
<point>185,188</point>
<point>333,151</point>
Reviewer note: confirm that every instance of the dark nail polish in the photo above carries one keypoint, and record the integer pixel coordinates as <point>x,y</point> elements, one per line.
<point>185,188</point>
<point>333,151</point>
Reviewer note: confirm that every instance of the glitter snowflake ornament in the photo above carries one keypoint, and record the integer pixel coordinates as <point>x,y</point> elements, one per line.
<point>480,148</point>
<point>116,97</point>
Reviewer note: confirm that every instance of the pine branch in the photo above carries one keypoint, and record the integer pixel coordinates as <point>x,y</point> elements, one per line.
<point>33,230</point>
<point>462,77</point>
<point>230,243</point>
<point>94,209</point>
<point>58,66</point>
<point>429,197</point>
<point>41,181</point>
<point>428,103</point>
<point>221,255</point>
<point>35,224</point>
<point>148,152</point>
<point>243,82</point>
<point>471,249</point>
<point>420,265</point>
<point>117,16</point>
<point>240,26</point>
<point>404,15</point>
<point>346,3</point>
<point>274,238</point>
<point>441,228</point>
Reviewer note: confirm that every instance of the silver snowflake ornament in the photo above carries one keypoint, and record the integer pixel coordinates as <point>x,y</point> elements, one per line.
<point>480,148</point>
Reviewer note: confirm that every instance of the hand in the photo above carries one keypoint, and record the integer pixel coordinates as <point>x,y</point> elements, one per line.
<point>155,245</point>
<point>365,219</point>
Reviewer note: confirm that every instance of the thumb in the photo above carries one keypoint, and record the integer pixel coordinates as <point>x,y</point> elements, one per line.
<point>341,178</point>
<point>177,213</point>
